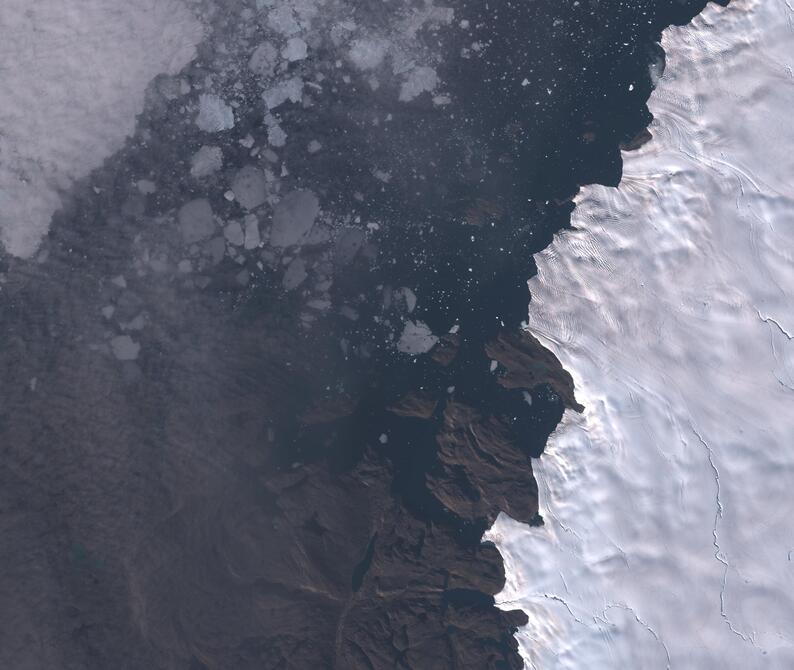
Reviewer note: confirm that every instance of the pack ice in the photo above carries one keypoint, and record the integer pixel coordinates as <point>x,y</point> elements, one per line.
<point>73,78</point>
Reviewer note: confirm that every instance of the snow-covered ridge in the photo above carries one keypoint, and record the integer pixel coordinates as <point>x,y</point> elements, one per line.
<point>669,540</point>
<point>73,78</point>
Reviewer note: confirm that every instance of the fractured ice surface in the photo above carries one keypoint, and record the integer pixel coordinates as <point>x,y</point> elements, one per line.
<point>73,78</point>
<point>668,512</point>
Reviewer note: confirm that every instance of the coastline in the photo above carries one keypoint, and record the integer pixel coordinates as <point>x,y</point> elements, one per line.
<point>265,381</point>
<point>664,502</point>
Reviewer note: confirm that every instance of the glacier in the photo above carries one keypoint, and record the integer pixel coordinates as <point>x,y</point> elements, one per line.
<point>668,537</point>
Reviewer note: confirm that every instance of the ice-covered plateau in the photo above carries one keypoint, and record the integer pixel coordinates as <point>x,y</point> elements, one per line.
<point>668,536</point>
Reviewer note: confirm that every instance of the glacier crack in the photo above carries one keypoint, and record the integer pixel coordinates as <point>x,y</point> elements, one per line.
<point>718,553</point>
<point>640,621</point>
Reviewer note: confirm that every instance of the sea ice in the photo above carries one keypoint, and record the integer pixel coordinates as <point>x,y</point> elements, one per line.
<point>416,338</point>
<point>295,50</point>
<point>196,220</point>
<point>73,78</point>
<point>214,114</point>
<point>206,161</point>
<point>293,217</point>
<point>264,59</point>
<point>124,348</point>
<point>287,90</point>
<point>249,187</point>
<point>233,232</point>
<point>295,274</point>
<point>418,81</point>
<point>367,53</point>
<point>251,239</point>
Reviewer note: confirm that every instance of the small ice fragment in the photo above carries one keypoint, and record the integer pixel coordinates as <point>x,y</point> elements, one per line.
<point>146,186</point>
<point>251,238</point>
<point>233,232</point>
<point>314,147</point>
<point>205,161</point>
<point>124,348</point>
<point>243,277</point>
<point>410,298</point>
<point>347,245</point>
<point>295,50</point>
<point>289,89</point>
<point>275,133</point>
<point>107,311</point>
<point>263,60</point>
<point>416,338</point>
<point>119,281</point>
<point>196,221</point>
<point>185,266</point>
<point>214,114</point>
<point>249,187</point>
<point>295,274</point>
<point>293,217</point>
<point>349,313</point>
<point>367,53</point>
<point>320,304</point>
<point>383,439</point>
<point>216,249</point>
<point>494,365</point>
<point>418,81</point>
<point>137,323</point>
<point>282,20</point>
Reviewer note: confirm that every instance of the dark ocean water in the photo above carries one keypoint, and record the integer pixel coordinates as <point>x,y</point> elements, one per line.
<point>268,482</point>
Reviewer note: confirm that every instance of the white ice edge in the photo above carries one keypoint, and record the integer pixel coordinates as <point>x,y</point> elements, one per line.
<point>669,512</point>
<point>73,76</point>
